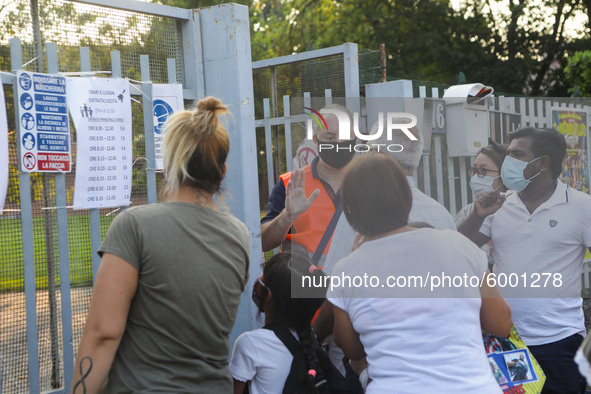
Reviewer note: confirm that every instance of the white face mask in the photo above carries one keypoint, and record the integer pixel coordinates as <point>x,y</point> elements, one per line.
<point>480,185</point>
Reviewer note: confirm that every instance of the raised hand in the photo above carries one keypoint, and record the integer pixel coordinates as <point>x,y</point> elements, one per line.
<point>296,201</point>
<point>487,203</point>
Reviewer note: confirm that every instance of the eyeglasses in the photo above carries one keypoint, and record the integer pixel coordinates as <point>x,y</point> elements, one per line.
<point>481,171</point>
<point>255,297</point>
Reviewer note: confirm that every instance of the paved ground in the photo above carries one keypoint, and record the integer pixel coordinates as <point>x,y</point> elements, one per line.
<point>13,338</point>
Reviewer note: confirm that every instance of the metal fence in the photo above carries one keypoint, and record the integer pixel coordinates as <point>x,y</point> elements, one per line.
<point>444,178</point>
<point>54,264</point>
<point>43,238</point>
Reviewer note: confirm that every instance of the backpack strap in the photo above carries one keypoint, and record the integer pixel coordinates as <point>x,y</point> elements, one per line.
<point>285,336</point>
<point>298,365</point>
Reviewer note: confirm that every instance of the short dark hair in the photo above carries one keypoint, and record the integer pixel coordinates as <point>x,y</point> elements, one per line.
<point>544,142</point>
<point>376,195</point>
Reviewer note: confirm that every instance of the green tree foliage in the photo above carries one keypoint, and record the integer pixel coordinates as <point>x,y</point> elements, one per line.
<point>517,46</point>
<point>578,72</point>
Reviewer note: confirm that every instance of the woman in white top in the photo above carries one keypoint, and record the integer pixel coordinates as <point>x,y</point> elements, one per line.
<point>260,359</point>
<point>387,312</point>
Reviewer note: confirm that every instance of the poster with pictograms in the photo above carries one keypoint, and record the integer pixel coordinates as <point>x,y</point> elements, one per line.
<point>166,99</point>
<point>44,130</point>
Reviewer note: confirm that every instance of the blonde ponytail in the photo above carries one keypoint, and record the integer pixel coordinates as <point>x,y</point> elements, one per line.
<point>196,146</point>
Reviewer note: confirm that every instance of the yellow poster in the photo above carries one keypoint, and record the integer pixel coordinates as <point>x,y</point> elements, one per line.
<point>573,125</point>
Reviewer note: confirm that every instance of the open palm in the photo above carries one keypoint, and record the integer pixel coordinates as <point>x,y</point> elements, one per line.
<point>296,201</point>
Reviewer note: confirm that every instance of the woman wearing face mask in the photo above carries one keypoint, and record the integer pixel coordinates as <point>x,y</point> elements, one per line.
<point>260,359</point>
<point>486,175</point>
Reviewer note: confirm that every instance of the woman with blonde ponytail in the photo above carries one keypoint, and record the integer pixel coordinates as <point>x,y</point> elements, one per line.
<point>168,288</point>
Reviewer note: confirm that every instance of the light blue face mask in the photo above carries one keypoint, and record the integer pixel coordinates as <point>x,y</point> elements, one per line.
<point>512,173</point>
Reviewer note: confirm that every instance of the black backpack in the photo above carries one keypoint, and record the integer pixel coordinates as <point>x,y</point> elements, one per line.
<point>328,378</point>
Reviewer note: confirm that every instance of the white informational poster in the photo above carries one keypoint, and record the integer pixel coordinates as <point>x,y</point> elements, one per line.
<point>167,99</point>
<point>44,127</point>
<point>101,111</point>
<point>3,151</point>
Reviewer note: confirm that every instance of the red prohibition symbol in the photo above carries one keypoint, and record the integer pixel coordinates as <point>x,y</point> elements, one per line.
<point>29,161</point>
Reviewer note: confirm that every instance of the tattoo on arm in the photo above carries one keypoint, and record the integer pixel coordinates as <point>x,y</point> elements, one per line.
<point>83,374</point>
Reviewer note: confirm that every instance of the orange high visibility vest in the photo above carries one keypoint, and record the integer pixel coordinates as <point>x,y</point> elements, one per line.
<point>310,226</point>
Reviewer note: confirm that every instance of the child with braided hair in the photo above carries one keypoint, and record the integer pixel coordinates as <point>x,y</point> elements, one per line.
<point>262,358</point>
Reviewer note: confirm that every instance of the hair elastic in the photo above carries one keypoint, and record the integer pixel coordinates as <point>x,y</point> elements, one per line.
<point>312,268</point>
<point>497,148</point>
<point>312,372</point>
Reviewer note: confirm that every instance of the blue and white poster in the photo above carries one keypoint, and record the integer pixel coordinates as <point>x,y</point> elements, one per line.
<point>44,132</point>
<point>3,151</point>
<point>101,111</point>
<point>166,99</point>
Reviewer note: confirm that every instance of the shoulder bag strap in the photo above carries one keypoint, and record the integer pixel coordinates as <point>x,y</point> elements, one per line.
<point>328,233</point>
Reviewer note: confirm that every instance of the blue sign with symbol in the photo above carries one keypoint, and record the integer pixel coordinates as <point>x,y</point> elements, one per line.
<point>27,121</point>
<point>162,110</point>
<point>26,101</point>
<point>25,81</point>
<point>28,141</point>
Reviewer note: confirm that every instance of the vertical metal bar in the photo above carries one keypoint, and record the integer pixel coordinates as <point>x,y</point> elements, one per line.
<point>426,163</point>
<point>93,213</point>
<point>37,39</point>
<point>268,145</point>
<point>193,54</point>
<point>148,128</point>
<point>549,114</point>
<point>228,66</point>
<point>351,71</point>
<point>61,202</point>
<point>522,111</point>
<point>532,114</point>
<point>308,103</point>
<point>350,54</point>
<point>426,159</point>
<point>116,64</point>
<point>48,216</point>
<point>27,238</point>
<point>463,181</point>
<point>438,157</point>
<point>541,117</point>
<point>287,125</point>
<point>587,109</point>
<point>451,181</point>
<point>117,73</point>
<point>171,67</point>
<point>273,81</point>
<point>276,151</point>
<point>438,168</point>
<point>327,97</point>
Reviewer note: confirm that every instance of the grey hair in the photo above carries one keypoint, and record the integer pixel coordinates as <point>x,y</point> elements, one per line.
<point>410,155</point>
